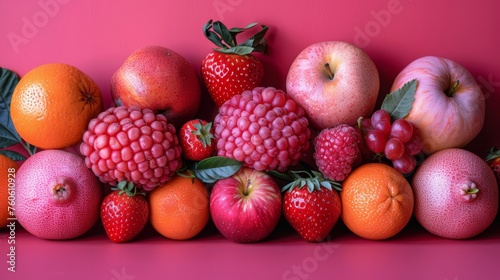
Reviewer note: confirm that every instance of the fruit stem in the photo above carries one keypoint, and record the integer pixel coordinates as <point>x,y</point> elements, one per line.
<point>452,89</point>
<point>61,191</point>
<point>247,186</point>
<point>329,71</point>
<point>469,190</point>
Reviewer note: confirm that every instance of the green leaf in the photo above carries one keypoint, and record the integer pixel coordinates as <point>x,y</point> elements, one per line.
<point>237,30</point>
<point>256,39</point>
<point>241,50</point>
<point>215,168</point>
<point>492,154</point>
<point>7,137</point>
<point>399,102</point>
<point>225,39</point>
<point>8,134</point>
<point>279,175</point>
<point>13,155</point>
<point>224,33</point>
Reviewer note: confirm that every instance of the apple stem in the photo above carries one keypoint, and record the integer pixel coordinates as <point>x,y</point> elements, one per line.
<point>329,71</point>
<point>452,89</point>
<point>247,185</point>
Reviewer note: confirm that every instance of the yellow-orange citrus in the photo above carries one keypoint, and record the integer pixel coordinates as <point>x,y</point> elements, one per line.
<point>8,169</point>
<point>52,105</point>
<point>179,209</point>
<point>377,201</point>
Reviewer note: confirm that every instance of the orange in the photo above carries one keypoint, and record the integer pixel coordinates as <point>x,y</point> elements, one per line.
<point>179,209</point>
<point>8,169</point>
<point>377,201</point>
<point>52,105</point>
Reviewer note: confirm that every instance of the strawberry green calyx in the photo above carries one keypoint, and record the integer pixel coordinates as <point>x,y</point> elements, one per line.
<point>127,188</point>
<point>314,180</point>
<point>225,39</point>
<point>493,153</point>
<point>203,133</point>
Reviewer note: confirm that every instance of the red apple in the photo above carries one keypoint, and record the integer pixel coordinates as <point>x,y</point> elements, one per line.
<point>335,82</point>
<point>449,106</point>
<point>160,79</point>
<point>246,207</point>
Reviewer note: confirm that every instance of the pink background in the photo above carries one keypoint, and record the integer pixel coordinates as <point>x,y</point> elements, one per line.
<point>97,36</point>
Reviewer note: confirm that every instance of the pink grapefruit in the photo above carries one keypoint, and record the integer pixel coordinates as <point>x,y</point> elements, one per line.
<point>57,196</point>
<point>456,194</point>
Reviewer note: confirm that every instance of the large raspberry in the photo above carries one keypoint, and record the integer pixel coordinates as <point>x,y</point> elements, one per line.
<point>264,128</point>
<point>335,151</point>
<point>132,144</point>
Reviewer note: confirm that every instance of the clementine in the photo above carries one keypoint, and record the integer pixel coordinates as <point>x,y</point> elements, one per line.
<point>179,209</point>
<point>52,105</point>
<point>8,169</point>
<point>377,201</point>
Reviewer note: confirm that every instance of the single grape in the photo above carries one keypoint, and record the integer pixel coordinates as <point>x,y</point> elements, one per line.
<point>394,148</point>
<point>366,123</point>
<point>401,129</point>
<point>381,120</point>
<point>405,164</point>
<point>375,140</point>
<point>413,146</point>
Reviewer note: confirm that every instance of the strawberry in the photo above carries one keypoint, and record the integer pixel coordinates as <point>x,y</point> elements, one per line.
<point>230,68</point>
<point>197,139</point>
<point>493,159</point>
<point>311,206</point>
<point>124,212</point>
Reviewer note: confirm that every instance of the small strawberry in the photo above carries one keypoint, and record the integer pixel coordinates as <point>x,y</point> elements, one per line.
<point>493,159</point>
<point>124,212</point>
<point>311,205</point>
<point>197,139</point>
<point>231,69</point>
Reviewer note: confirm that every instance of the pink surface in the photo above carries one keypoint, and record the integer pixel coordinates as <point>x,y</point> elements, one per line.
<point>97,36</point>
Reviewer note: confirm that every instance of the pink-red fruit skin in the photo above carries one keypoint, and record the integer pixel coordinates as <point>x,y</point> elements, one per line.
<point>159,79</point>
<point>456,194</point>
<point>57,196</point>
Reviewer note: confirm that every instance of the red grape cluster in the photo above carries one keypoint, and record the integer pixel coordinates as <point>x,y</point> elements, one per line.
<point>397,141</point>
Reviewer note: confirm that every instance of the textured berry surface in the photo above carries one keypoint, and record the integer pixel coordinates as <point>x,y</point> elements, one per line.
<point>336,149</point>
<point>132,144</point>
<point>226,75</point>
<point>312,214</point>
<point>124,216</point>
<point>263,128</point>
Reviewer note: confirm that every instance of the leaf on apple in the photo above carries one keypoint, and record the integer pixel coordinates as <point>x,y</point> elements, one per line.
<point>399,102</point>
<point>215,168</point>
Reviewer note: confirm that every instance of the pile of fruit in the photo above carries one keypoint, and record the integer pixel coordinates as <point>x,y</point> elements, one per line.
<point>316,152</point>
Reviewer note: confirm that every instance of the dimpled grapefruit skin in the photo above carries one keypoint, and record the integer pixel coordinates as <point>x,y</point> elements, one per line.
<point>442,206</point>
<point>57,196</point>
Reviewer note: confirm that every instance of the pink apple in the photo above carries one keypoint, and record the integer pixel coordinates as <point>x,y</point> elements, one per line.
<point>160,79</point>
<point>246,207</point>
<point>335,82</point>
<point>449,106</point>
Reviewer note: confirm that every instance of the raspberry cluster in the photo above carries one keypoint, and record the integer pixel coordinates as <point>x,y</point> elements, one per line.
<point>264,128</point>
<point>335,151</point>
<point>132,144</point>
